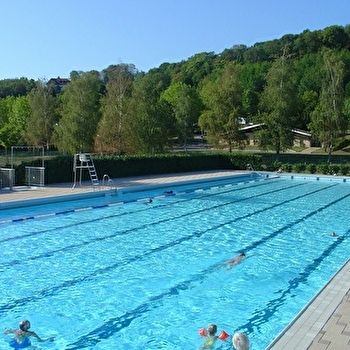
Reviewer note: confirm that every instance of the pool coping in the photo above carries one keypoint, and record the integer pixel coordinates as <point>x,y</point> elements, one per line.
<point>87,192</point>
<point>312,328</point>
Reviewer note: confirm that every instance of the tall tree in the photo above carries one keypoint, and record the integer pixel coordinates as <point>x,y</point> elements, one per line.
<point>186,106</point>
<point>277,101</point>
<point>221,117</point>
<point>114,128</point>
<point>14,113</point>
<point>43,116</point>
<point>328,121</point>
<point>76,129</point>
<point>152,117</point>
<point>16,87</point>
<point>253,81</point>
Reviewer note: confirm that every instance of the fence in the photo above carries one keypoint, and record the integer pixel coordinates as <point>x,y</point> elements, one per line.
<point>295,158</point>
<point>7,178</point>
<point>35,176</point>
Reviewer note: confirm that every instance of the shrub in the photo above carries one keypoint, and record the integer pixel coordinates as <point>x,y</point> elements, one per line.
<point>334,169</point>
<point>344,169</point>
<point>288,167</point>
<point>311,168</point>
<point>299,167</point>
<point>323,169</point>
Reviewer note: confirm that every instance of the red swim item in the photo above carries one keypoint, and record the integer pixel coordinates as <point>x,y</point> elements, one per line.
<point>223,335</point>
<point>203,332</point>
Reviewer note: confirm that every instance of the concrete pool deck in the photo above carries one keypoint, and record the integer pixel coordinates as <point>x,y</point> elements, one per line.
<point>324,324</point>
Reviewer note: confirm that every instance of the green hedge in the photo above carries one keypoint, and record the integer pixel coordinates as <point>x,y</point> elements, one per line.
<point>60,169</point>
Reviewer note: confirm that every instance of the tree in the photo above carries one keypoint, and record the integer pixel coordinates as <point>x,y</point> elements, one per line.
<point>223,109</point>
<point>16,87</point>
<point>114,128</point>
<point>196,68</point>
<point>253,81</point>
<point>328,121</point>
<point>335,37</point>
<point>43,116</point>
<point>236,53</point>
<point>152,118</point>
<point>277,101</point>
<point>186,106</point>
<point>76,129</point>
<point>14,113</point>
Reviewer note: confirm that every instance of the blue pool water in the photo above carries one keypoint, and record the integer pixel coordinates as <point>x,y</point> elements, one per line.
<point>133,275</point>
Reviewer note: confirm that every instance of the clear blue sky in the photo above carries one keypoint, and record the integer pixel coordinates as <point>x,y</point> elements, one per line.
<point>42,39</point>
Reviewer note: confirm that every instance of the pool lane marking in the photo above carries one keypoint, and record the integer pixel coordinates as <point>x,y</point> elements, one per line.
<point>116,324</point>
<point>259,183</point>
<point>124,232</point>
<point>262,316</point>
<point>93,274</point>
<point>133,212</point>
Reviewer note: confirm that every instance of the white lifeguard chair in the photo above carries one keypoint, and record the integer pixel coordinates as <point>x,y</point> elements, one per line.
<point>84,161</point>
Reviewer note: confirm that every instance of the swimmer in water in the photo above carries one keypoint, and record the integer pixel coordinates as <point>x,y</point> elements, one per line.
<point>240,341</point>
<point>21,339</point>
<point>211,337</point>
<point>333,234</point>
<point>235,261</point>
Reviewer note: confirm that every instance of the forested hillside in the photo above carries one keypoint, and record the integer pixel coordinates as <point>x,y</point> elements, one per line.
<point>297,81</point>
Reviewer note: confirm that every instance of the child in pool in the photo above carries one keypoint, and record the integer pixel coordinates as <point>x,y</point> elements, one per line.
<point>211,337</point>
<point>21,339</point>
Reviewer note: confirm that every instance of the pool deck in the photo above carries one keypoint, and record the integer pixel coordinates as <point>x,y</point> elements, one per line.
<point>324,324</point>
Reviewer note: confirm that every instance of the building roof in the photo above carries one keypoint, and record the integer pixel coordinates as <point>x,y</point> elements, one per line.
<point>253,127</point>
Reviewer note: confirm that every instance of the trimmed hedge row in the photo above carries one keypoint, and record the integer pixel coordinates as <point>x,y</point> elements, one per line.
<point>60,169</point>
<point>325,169</point>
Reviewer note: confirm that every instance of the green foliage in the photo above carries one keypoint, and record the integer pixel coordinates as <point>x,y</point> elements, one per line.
<point>334,169</point>
<point>15,87</point>
<point>59,169</point>
<point>241,160</point>
<point>152,119</point>
<point>299,167</point>
<point>43,117</point>
<point>186,105</point>
<point>323,169</point>
<point>297,81</point>
<point>328,121</point>
<point>223,108</point>
<point>311,168</point>
<point>287,167</point>
<point>115,128</point>
<point>80,113</point>
<point>278,102</point>
<point>14,114</point>
<point>344,169</point>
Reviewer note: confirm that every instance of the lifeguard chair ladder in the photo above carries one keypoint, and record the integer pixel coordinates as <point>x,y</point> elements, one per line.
<point>84,161</point>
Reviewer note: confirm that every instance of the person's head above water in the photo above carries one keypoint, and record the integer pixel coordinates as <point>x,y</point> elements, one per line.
<point>212,329</point>
<point>240,341</point>
<point>24,325</point>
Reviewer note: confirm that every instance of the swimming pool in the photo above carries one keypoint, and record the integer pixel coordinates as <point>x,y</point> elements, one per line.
<point>134,275</point>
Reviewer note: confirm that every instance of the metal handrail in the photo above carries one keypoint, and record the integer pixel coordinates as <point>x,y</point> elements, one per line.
<point>107,183</point>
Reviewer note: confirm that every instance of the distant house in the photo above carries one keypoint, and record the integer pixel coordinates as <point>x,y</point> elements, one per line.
<point>302,138</point>
<point>58,83</point>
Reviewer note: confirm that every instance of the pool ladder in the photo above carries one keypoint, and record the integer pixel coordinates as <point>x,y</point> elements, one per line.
<point>108,184</point>
<point>250,167</point>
